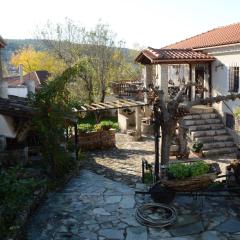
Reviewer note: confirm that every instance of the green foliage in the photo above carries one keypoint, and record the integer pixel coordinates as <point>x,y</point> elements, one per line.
<point>197,147</point>
<point>89,124</point>
<point>179,171</point>
<point>182,171</point>
<point>97,127</point>
<point>106,124</point>
<point>236,112</point>
<point>16,190</point>
<point>85,127</point>
<point>198,168</point>
<point>54,112</point>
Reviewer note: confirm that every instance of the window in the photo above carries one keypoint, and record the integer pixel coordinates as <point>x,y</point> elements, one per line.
<point>233,79</point>
<point>229,121</point>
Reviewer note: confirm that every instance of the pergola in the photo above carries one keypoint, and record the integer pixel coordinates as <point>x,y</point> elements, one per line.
<point>117,104</point>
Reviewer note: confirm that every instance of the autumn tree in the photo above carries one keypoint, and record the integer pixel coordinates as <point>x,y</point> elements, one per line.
<point>33,60</point>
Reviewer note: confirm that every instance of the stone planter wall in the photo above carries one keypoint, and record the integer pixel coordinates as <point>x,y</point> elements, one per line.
<point>96,140</point>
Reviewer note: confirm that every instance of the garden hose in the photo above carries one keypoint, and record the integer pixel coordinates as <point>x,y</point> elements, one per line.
<point>167,218</point>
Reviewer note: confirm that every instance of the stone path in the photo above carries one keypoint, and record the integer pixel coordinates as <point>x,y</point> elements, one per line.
<point>96,208</point>
<point>102,206</point>
<point>123,163</point>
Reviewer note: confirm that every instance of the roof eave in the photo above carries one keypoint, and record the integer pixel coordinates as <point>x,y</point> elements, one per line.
<point>182,61</point>
<point>141,56</point>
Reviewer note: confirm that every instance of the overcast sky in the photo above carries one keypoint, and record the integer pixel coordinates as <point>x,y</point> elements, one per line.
<point>154,23</point>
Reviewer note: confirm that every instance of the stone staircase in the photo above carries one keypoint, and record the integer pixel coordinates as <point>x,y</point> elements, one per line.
<point>205,125</point>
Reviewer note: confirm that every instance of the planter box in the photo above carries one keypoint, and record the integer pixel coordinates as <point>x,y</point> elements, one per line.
<point>97,140</point>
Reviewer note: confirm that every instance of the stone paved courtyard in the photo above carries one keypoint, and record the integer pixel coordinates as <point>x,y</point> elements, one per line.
<point>93,206</point>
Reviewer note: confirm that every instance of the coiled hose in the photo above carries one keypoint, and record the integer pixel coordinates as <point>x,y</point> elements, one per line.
<point>167,215</point>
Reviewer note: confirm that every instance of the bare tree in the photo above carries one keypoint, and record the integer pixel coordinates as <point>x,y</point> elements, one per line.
<point>168,113</point>
<point>107,57</point>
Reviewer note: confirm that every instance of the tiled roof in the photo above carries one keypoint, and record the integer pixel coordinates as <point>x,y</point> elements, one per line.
<point>13,81</point>
<point>151,55</point>
<point>2,43</point>
<point>38,76</point>
<point>229,34</point>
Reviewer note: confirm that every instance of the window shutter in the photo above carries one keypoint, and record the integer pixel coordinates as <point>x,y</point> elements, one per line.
<point>233,79</point>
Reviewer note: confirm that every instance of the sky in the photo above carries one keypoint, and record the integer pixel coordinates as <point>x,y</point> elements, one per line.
<point>140,23</point>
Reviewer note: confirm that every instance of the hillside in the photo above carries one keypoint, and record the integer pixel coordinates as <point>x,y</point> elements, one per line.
<point>15,44</point>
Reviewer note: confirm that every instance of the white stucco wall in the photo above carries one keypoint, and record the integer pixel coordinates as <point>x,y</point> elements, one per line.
<point>225,57</point>
<point>18,91</point>
<point>7,127</point>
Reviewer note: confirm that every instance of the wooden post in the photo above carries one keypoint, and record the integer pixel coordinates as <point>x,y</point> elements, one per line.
<point>156,138</point>
<point>76,141</point>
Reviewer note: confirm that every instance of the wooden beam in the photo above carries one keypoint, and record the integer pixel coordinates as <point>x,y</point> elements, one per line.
<point>98,105</point>
<point>89,107</point>
<point>84,109</point>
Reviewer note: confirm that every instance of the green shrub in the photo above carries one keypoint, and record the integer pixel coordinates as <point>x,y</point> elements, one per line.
<point>179,171</point>
<point>97,127</point>
<point>85,127</point>
<point>116,126</point>
<point>197,147</point>
<point>106,124</point>
<point>236,112</point>
<point>182,171</point>
<point>15,192</point>
<point>199,168</point>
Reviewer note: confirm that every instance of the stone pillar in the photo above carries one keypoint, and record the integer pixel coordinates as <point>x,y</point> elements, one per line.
<point>147,78</point>
<point>163,85</point>
<point>31,86</point>
<point>193,90</point>
<point>21,72</point>
<point>138,123</point>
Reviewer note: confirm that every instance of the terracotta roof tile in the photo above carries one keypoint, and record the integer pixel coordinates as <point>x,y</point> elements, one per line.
<point>225,35</point>
<point>171,55</point>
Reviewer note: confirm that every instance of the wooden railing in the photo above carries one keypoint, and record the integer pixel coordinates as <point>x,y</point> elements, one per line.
<point>126,89</point>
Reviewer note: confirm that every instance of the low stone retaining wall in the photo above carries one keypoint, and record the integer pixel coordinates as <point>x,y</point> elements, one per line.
<point>97,140</point>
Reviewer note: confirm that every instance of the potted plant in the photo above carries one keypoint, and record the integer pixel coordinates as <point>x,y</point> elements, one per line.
<point>197,148</point>
<point>189,176</point>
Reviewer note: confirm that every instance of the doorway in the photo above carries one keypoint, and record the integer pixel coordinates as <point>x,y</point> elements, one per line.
<point>199,79</point>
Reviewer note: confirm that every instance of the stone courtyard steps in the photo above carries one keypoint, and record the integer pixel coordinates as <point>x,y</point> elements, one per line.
<point>206,126</point>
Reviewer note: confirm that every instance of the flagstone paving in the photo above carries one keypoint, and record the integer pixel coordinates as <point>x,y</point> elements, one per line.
<point>94,207</point>
<point>100,204</point>
<point>124,163</point>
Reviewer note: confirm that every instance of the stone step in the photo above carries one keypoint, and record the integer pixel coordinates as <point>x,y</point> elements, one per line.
<point>204,133</point>
<point>217,151</point>
<point>201,122</point>
<point>200,116</point>
<point>216,145</point>
<point>202,109</point>
<point>209,139</point>
<point>206,127</point>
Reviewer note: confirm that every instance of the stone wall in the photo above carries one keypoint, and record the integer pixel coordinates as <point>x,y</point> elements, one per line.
<point>96,140</point>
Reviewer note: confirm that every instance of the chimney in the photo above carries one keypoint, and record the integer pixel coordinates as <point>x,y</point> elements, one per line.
<point>31,86</point>
<point>20,69</point>
<point>3,83</point>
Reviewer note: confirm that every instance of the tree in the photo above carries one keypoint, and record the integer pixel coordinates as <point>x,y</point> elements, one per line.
<point>107,57</point>
<point>168,113</point>
<point>33,60</point>
<point>53,107</point>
